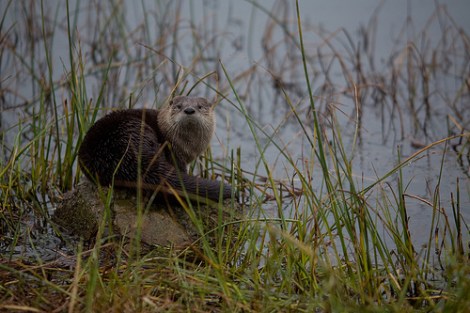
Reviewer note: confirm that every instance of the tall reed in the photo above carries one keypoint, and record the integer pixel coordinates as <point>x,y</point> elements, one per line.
<point>320,239</point>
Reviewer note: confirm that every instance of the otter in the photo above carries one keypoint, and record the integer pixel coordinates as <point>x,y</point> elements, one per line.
<point>151,149</point>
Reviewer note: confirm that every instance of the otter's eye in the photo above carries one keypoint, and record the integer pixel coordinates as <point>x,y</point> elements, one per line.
<point>179,106</point>
<point>199,107</point>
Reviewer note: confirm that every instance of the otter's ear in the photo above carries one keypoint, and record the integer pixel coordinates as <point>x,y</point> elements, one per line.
<point>212,103</point>
<point>174,100</point>
<point>202,100</point>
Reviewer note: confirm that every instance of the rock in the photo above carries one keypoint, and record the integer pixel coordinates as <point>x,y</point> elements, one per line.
<point>81,212</point>
<point>158,227</point>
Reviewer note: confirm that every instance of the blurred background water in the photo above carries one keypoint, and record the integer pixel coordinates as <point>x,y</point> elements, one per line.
<point>256,42</point>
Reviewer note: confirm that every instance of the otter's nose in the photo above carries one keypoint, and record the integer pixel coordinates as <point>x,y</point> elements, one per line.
<point>189,111</point>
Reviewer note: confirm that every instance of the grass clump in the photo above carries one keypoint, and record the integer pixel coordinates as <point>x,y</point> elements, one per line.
<point>320,239</point>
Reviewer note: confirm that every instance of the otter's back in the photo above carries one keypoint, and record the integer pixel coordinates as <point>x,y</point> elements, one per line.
<point>115,145</point>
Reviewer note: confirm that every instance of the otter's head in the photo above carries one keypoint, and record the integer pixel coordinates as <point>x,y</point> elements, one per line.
<point>188,124</point>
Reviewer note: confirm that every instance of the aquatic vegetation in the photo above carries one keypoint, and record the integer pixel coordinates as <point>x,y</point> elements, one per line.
<point>317,236</point>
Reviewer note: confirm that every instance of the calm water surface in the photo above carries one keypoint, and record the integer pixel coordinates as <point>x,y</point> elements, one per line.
<point>242,36</point>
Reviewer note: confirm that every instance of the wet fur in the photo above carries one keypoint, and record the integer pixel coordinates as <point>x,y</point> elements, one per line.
<point>114,147</point>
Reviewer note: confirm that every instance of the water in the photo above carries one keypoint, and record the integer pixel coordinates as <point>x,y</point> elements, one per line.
<point>383,134</point>
<point>241,37</point>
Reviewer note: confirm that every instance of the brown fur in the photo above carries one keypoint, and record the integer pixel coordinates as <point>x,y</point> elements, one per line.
<point>163,142</point>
